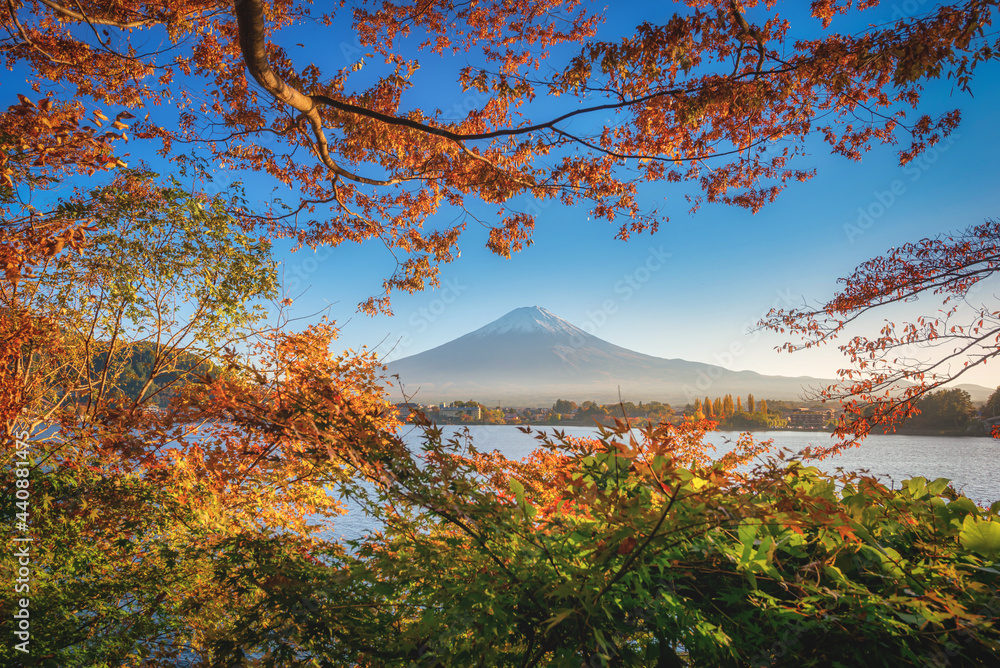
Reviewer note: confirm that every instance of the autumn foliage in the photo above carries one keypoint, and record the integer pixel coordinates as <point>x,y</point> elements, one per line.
<point>192,451</point>
<point>721,96</point>
<point>613,551</point>
<point>890,372</point>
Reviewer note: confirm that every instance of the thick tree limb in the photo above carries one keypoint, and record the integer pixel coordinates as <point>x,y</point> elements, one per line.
<point>95,20</point>
<point>747,29</point>
<point>250,19</point>
<point>27,38</point>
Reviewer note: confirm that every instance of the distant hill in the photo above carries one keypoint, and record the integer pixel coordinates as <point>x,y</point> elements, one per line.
<point>978,393</point>
<point>132,364</point>
<point>532,357</point>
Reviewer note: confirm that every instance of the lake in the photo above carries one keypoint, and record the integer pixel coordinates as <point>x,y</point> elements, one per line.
<point>971,463</point>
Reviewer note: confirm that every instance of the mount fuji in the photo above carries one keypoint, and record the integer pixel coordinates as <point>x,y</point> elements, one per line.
<point>531,357</point>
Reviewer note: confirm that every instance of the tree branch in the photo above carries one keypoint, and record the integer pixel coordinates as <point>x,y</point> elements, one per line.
<point>27,39</point>
<point>250,20</point>
<point>95,20</point>
<point>747,29</point>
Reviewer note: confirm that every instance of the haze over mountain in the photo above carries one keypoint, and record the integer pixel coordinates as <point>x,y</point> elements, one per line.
<point>533,357</point>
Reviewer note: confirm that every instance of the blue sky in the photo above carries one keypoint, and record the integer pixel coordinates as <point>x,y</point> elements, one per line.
<point>721,270</point>
<point>716,272</point>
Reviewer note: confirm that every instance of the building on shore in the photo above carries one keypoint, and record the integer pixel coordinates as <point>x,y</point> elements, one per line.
<point>807,418</point>
<point>458,412</point>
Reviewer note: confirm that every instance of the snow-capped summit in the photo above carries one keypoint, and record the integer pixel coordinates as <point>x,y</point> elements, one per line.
<point>533,357</point>
<point>528,320</point>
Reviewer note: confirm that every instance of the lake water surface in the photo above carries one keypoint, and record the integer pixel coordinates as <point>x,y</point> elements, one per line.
<point>971,463</point>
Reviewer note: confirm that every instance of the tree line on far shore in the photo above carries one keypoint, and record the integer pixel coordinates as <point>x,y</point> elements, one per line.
<point>943,412</point>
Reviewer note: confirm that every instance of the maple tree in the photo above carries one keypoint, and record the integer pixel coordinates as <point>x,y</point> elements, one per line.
<point>163,272</point>
<point>629,549</point>
<point>123,296</point>
<point>890,373</point>
<point>129,507</point>
<point>723,95</point>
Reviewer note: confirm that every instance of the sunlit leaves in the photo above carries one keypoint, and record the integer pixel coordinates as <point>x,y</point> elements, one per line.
<point>890,373</point>
<point>721,96</point>
<point>631,556</point>
<point>982,537</point>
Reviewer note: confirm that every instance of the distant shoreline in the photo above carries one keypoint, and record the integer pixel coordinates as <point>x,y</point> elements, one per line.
<point>559,425</point>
